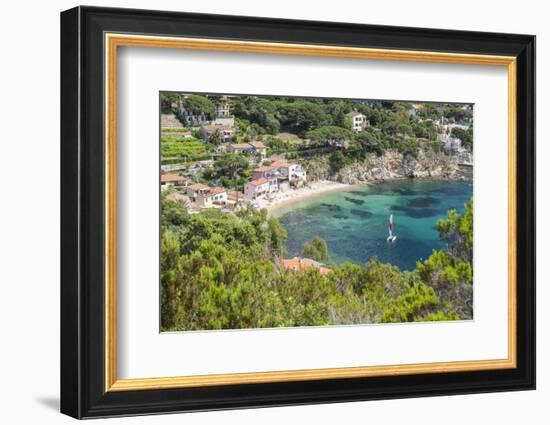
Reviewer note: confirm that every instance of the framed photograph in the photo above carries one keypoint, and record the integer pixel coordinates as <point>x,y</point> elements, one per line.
<point>261,212</point>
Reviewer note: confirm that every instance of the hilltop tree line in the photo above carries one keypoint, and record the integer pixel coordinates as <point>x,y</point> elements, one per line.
<point>322,120</point>
<point>222,271</point>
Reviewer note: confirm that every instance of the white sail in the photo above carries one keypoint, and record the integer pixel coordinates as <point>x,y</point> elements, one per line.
<point>390,237</point>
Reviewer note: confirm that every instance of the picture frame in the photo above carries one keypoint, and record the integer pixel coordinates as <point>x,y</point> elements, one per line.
<point>90,40</point>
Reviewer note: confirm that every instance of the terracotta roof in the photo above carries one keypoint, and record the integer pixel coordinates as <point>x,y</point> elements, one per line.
<point>198,186</point>
<point>353,114</point>
<point>171,178</point>
<point>259,182</point>
<point>240,145</point>
<point>301,264</point>
<point>257,145</point>
<point>280,163</point>
<point>217,190</point>
<point>235,195</point>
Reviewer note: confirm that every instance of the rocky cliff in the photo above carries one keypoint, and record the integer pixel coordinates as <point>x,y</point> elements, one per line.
<point>391,165</point>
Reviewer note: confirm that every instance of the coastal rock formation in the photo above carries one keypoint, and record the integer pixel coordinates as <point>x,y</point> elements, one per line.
<point>393,165</point>
<point>318,169</point>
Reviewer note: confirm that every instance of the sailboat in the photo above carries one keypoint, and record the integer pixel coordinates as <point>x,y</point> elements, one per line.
<point>391,237</point>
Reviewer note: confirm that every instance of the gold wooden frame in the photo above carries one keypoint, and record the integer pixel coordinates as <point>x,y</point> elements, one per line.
<point>113,41</point>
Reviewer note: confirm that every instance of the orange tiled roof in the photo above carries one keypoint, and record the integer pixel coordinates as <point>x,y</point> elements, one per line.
<point>259,182</point>
<point>300,265</point>
<point>217,190</point>
<point>280,163</point>
<point>171,178</point>
<point>235,195</point>
<point>240,146</point>
<point>198,186</point>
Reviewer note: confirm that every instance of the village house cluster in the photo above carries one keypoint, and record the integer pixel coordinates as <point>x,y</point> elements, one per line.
<point>280,176</point>
<point>444,130</point>
<point>266,180</point>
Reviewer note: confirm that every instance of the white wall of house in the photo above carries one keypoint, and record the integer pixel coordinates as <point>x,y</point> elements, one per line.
<point>359,122</point>
<point>252,191</point>
<point>209,200</point>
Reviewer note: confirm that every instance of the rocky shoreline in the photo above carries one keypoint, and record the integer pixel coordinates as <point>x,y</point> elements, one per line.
<point>393,166</point>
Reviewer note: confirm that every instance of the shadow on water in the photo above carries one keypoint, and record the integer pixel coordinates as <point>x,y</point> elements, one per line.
<point>423,202</point>
<point>354,200</point>
<point>415,212</point>
<point>332,207</point>
<point>359,193</point>
<point>361,213</point>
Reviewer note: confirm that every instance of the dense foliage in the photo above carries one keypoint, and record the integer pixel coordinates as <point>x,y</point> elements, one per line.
<point>197,104</point>
<point>466,136</point>
<point>316,249</point>
<point>229,170</point>
<point>222,271</point>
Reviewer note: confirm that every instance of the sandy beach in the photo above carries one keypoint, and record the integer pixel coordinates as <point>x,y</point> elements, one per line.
<point>283,200</point>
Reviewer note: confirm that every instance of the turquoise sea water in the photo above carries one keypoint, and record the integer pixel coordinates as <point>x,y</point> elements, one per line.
<point>354,222</point>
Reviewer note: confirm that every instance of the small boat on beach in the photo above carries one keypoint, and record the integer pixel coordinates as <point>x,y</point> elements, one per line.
<point>391,237</point>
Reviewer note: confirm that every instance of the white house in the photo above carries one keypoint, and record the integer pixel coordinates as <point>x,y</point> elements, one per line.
<point>169,180</point>
<point>358,120</point>
<point>223,109</point>
<point>194,190</point>
<point>259,187</point>
<point>259,148</point>
<point>214,196</point>
<point>294,172</point>
<point>239,148</point>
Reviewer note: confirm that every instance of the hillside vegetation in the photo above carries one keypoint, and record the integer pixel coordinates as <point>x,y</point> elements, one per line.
<point>221,271</point>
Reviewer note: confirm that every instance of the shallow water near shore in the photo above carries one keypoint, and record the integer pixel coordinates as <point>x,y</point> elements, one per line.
<point>354,221</point>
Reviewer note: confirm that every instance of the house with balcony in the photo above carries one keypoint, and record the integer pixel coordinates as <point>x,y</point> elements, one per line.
<point>215,196</point>
<point>358,120</point>
<point>260,187</point>
<point>194,190</point>
<point>266,171</point>
<point>295,174</point>
<point>222,109</point>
